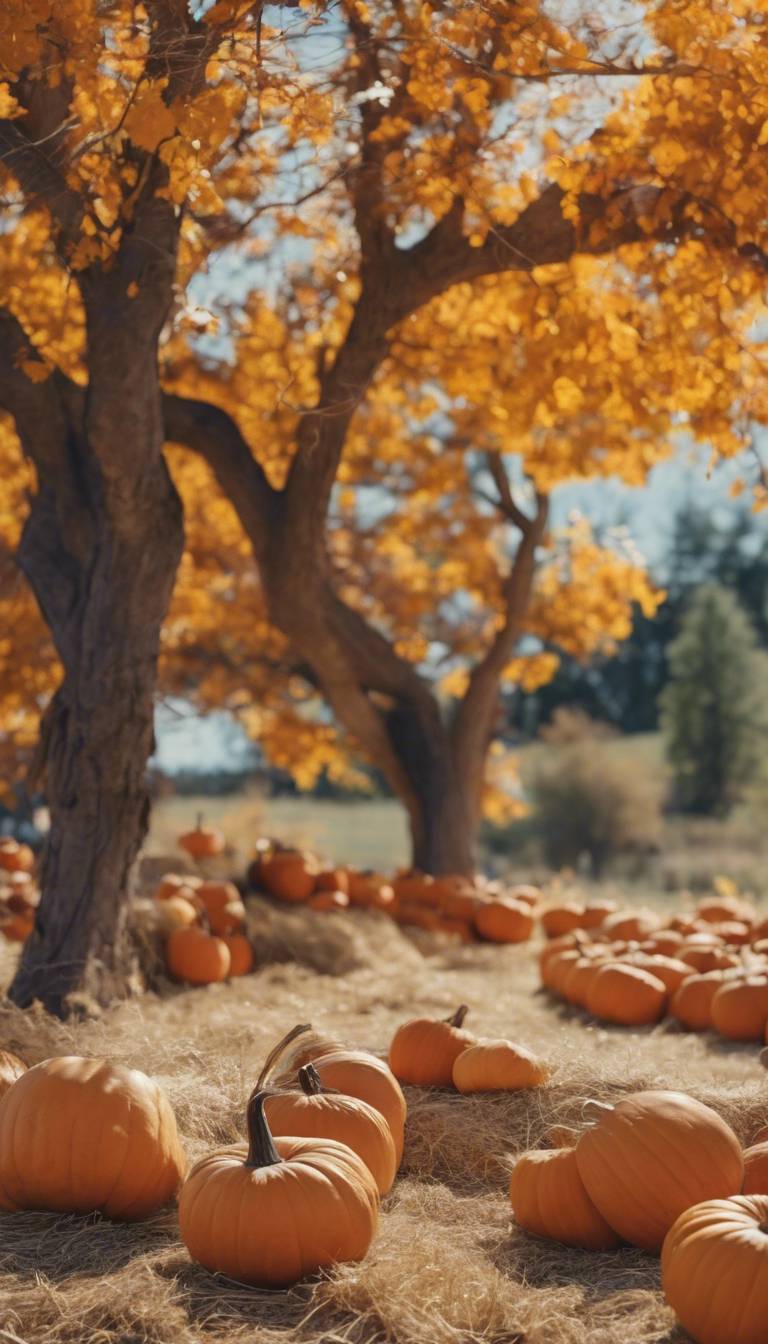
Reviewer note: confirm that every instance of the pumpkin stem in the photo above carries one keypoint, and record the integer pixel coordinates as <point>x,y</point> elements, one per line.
<point>593,1109</point>
<point>311,1083</point>
<point>458,1017</point>
<point>261,1149</point>
<point>277,1051</point>
<point>199,822</point>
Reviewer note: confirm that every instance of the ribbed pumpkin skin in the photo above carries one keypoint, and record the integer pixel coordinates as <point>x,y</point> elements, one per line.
<point>668,970</point>
<point>270,1226</point>
<point>755,1170</point>
<point>691,1004</point>
<point>197,957</point>
<point>626,995</point>
<point>548,1198</point>
<point>714,1270</point>
<point>504,921</point>
<point>740,1009</point>
<point>498,1066</point>
<point>84,1135</point>
<point>11,1068</point>
<point>240,953</point>
<point>651,1157</point>
<point>423,1051</point>
<point>346,1119</point>
<point>360,1075</point>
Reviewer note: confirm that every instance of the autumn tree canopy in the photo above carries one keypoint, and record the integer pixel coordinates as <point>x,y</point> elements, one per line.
<point>384,275</point>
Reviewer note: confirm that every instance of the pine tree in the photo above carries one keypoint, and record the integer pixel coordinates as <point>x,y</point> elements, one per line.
<point>715,706</point>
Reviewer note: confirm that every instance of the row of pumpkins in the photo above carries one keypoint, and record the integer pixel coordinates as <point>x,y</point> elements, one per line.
<point>19,893</point>
<point>707,969</point>
<point>468,909</point>
<point>325,1137</point>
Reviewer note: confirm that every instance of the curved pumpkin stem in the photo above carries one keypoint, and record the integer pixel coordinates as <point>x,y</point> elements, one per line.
<point>261,1149</point>
<point>593,1109</point>
<point>457,1019</point>
<point>277,1051</point>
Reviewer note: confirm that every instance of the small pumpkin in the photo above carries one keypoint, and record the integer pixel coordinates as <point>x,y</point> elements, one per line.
<point>549,1199</point>
<point>332,879</point>
<point>498,1066</point>
<point>714,1270</point>
<point>17,927</point>
<point>504,921</point>
<point>669,970</point>
<point>325,1113</point>
<point>717,909</point>
<point>216,896</point>
<point>240,954</point>
<point>328,901</point>
<point>274,1211</point>
<point>204,842</point>
<point>16,858</point>
<point>289,875</point>
<point>230,918</point>
<point>173,884</point>
<point>560,919</point>
<point>740,1008</point>
<point>370,891</point>
<point>596,913</point>
<point>626,995</point>
<point>653,1155</point>
<point>632,924</point>
<point>705,957</point>
<point>197,956</point>
<point>691,1003</point>
<point>175,912</point>
<point>11,1068</point>
<point>81,1135</point>
<point>423,1050</point>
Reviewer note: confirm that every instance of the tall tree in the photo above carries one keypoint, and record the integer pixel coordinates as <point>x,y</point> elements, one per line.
<point>715,706</point>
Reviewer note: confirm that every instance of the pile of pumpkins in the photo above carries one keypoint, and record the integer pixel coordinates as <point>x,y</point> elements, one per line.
<point>664,1172</point>
<point>468,909</point>
<point>19,893</point>
<point>707,969</point>
<point>204,922</point>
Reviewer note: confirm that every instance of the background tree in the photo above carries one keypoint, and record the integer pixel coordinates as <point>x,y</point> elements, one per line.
<point>715,706</point>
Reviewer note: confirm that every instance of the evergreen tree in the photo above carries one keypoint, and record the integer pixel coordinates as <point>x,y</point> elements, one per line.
<point>715,706</point>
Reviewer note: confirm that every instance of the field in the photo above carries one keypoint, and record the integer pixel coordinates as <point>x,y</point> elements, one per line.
<point>448,1266</point>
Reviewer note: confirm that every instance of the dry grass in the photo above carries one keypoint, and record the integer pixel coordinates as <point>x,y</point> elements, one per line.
<point>448,1266</point>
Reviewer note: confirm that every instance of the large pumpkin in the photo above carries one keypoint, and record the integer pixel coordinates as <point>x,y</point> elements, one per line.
<point>740,1008</point>
<point>626,995</point>
<point>549,1199</point>
<point>714,1270</point>
<point>498,1066</point>
<point>317,1112</point>
<point>273,1212</point>
<point>423,1050</point>
<point>289,875</point>
<point>85,1135</point>
<point>654,1155</point>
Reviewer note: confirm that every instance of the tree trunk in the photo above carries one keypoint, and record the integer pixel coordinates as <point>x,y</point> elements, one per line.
<point>442,821</point>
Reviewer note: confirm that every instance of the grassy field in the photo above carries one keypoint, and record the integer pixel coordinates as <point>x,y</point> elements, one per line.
<point>448,1265</point>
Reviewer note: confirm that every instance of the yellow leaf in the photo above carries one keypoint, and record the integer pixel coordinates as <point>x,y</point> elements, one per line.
<point>149,120</point>
<point>35,370</point>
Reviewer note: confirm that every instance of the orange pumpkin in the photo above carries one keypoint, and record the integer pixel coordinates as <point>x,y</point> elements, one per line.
<point>333,879</point>
<point>626,995</point>
<point>632,924</point>
<point>565,943</point>
<point>11,1068</point>
<point>667,943</point>
<point>548,1199</point>
<point>173,884</point>
<point>560,919</point>
<point>240,954</point>
<point>734,932</point>
<point>705,958</point>
<point>215,896</point>
<point>579,977</point>
<point>355,1073</point>
<point>714,1270</point>
<point>229,919</point>
<point>755,1169</point>
<point>328,901</point>
<point>80,1135</point>
<point>204,842</point>
<point>16,858</point>
<point>413,886</point>
<point>370,890</point>
<point>596,913</point>
<point>289,875</point>
<point>17,927</point>
<point>716,909</point>
<point>669,970</point>
<point>324,1113</point>
<point>423,1050</point>
<point>498,1066</point>
<point>504,921</point>
<point>556,969</point>
<point>278,1210</point>
<point>654,1155</point>
<point>691,1003</point>
<point>197,956</point>
<point>740,1008</point>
